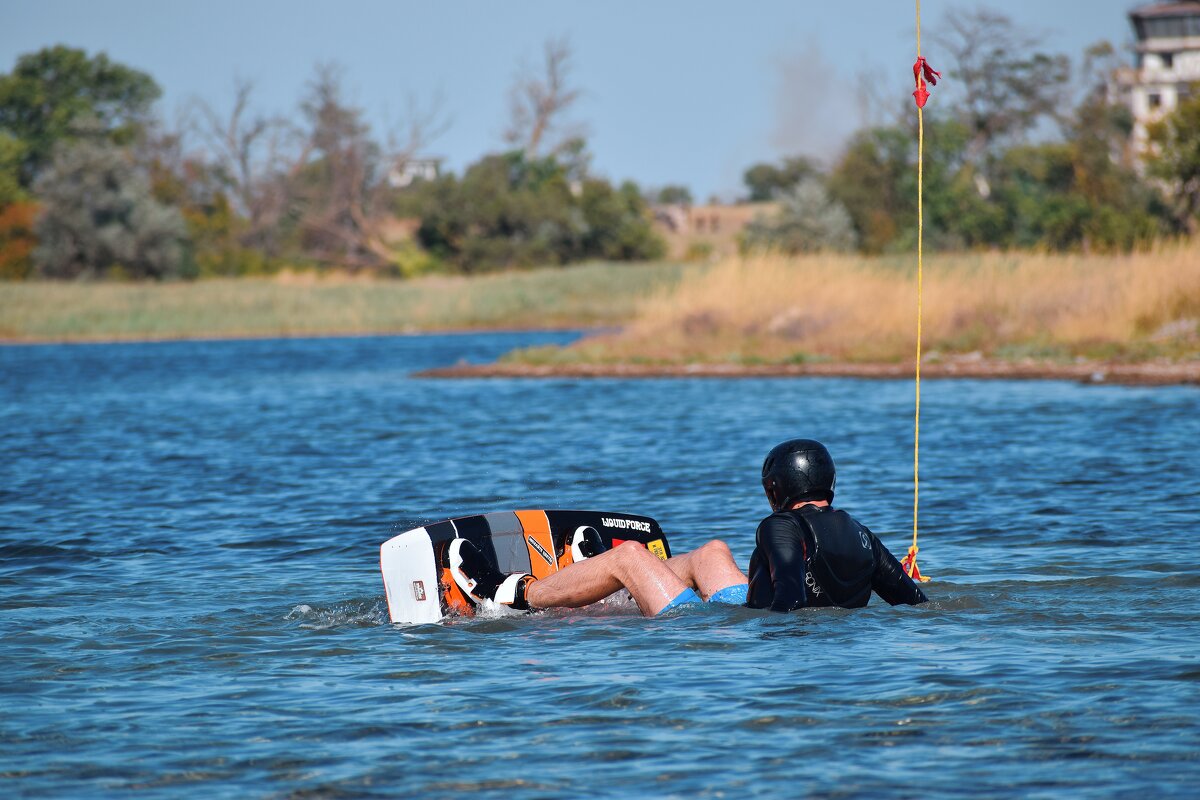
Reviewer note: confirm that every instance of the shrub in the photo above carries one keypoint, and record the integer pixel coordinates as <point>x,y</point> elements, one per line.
<point>808,222</point>
<point>99,214</point>
<point>17,240</point>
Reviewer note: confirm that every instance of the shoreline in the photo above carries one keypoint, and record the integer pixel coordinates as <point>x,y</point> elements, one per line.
<point>11,341</point>
<point>1148,373</point>
<point>1094,373</point>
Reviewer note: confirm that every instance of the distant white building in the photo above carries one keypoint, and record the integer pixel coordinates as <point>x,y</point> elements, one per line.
<point>414,169</point>
<point>1167,62</point>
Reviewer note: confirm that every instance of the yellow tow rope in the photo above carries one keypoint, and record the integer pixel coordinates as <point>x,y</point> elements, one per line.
<point>922,73</point>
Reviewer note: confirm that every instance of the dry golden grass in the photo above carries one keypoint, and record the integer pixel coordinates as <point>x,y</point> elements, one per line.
<point>775,309</point>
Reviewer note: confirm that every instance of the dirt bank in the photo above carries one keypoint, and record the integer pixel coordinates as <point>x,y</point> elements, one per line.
<point>1144,374</point>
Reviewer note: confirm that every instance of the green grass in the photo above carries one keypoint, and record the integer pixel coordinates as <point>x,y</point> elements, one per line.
<point>589,295</point>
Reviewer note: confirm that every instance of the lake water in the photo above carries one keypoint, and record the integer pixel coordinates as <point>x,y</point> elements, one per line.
<point>190,601</point>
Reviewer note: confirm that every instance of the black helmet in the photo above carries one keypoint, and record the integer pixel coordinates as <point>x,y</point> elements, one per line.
<point>798,469</point>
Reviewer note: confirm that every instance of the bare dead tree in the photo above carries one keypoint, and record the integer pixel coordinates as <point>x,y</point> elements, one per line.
<point>1007,83</point>
<point>538,100</point>
<point>330,192</point>
<point>324,180</point>
<point>255,155</point>
<point>344,186</point>
<point>162,150</point>
<point>420,125</point>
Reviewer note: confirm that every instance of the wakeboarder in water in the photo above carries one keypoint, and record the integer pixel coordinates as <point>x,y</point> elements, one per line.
<point>806,554</point>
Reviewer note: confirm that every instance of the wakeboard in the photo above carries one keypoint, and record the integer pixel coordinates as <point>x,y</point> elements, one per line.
<point>419,588</point>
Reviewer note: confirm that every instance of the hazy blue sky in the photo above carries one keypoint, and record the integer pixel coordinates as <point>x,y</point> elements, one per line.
<point>677,91</point>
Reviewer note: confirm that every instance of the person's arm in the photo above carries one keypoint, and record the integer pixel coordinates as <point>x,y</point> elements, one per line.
<point>782,545</point>
<point>890,581</point>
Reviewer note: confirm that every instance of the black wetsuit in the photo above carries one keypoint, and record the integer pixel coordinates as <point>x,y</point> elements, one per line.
<point>819,556</point>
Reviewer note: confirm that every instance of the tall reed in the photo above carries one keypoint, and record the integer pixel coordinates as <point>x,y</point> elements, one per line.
<point>826,307</point>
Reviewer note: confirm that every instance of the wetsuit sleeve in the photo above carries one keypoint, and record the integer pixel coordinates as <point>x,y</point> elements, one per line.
<point>781,543</point>
<point>890,581</point>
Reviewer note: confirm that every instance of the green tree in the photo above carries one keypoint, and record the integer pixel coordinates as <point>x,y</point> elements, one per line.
<point>958,211</point>
<point>809,221</point>
<point>511,211</point>
<point>673,194</point>
<point>1125,211</point>
<point>618,223</point>
<point>1175,158</point>
<point>48,93</point>
<point>768,181</point>
<point>506,211</point>
<point>12,153</point>
<point>874,180</point>
<point>1070,194</point>
<point>100,218</point>
<point>1079,193</point>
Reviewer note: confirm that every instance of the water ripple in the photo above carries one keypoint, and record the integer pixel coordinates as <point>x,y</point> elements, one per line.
<point>191,604</point>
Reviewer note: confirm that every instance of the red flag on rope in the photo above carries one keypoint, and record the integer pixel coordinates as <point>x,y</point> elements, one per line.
<point>923,72</point>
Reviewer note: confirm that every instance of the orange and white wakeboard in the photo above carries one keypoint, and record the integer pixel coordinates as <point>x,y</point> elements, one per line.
<point>419,587</point>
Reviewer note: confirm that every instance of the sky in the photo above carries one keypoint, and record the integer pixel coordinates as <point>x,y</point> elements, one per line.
<point>673,91</point>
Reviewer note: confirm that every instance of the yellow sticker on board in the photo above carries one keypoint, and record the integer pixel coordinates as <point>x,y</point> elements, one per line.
<point>657,548</point>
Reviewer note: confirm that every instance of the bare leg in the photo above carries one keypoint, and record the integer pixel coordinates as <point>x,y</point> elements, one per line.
<point>630,565</point>
<point>708,569</point>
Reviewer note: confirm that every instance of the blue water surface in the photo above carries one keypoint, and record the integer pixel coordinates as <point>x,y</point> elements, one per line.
<point>190,601</point>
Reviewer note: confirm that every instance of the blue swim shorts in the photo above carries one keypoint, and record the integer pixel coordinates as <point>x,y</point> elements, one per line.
<point>732,595</point>
<point>686,597</point>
